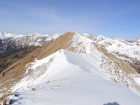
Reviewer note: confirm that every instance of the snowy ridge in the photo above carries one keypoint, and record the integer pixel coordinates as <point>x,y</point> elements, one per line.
<point>77,75</point>
<point>88,71</point>
<point>39,69</point>
<point>85,46</point>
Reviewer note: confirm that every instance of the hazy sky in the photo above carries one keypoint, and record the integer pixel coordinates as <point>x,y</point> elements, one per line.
<point>111,18</point>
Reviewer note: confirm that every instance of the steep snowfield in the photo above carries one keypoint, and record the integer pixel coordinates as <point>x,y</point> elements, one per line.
<point>70,79</point>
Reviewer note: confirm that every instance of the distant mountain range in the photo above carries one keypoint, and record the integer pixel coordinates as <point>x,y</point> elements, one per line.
<point>11,42</point>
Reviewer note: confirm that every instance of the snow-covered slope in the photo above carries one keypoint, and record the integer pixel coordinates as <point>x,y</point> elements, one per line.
<point>74,69</point>
<point>78,81</point>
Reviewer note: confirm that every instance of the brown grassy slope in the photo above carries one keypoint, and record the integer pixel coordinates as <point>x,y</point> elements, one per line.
<point>135,63</point>
<point>8,60</point>
<point>15,72</point>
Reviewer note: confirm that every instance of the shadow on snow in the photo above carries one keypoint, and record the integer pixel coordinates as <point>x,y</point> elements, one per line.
<point>114,103</point>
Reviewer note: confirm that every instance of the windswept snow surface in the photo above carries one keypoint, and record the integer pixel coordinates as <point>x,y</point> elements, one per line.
<point>68,78</point>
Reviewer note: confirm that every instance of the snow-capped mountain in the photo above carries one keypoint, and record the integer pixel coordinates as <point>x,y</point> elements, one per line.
<point>75,69</point>
<point>10,42</point>
<point>127,51</point>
